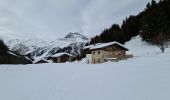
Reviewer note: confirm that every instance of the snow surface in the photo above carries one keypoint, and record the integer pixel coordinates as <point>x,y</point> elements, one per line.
<point>144,77</point>
<point>139,48</point>
<point>12,53</point>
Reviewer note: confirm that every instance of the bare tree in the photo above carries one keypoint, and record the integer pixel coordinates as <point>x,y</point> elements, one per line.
<point>161,41</point>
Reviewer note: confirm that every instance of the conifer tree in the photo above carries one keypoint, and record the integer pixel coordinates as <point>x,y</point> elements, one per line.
<point>3,48</point>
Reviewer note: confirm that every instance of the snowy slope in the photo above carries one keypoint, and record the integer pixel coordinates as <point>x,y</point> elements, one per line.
<point>26,46</point>
<point>144,77</point>
<point>139,48</point>
<point>70,39</point>
<point>21,45</point>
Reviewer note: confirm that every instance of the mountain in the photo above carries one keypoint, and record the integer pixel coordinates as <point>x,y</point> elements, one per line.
<point>10,57</point>
<point>71,43</point>
<point>75,37</point>
<point>38,48</point>
<point>25,46</point>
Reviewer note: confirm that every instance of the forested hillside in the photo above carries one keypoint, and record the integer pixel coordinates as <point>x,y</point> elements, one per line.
<point>152,24</point>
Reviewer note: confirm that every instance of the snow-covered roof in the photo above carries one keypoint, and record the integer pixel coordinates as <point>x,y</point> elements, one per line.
<point>107,44</point>
<point>90,46</point>
<point>60,54</point>
<point>48,61</point>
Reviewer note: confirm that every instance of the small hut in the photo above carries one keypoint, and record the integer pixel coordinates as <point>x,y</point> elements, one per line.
<point>61,57</point>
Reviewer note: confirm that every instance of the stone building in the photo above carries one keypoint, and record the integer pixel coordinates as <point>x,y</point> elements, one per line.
<point>104,52</point>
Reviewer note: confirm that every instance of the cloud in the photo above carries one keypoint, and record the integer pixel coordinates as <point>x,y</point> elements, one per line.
<point>55,18</point>
<point>100,14</point>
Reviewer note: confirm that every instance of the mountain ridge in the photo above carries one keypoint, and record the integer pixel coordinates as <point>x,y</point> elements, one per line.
<point>37,48</point>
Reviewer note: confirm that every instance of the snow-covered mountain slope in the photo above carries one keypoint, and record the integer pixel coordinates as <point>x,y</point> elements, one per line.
<point>70,38</point>
<point>21,45</point>
<point>71,43</point>
<point>37,48</point>
<point>137,47</point>
<point>75,37</point>
<point>26,46</point>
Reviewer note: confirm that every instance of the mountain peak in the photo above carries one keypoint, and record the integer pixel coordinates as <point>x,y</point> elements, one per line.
<point>75,35</point>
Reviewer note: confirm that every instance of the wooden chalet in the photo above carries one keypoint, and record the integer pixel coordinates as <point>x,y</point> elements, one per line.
<point>104,52</point>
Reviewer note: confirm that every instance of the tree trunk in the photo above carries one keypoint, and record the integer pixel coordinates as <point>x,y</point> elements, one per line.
<point>162,49</point>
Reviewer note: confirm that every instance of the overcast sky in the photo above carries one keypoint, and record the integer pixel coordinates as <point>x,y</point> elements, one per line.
<point>55,18</point>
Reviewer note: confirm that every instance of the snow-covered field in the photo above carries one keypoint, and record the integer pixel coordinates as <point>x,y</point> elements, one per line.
<point>144,77</point>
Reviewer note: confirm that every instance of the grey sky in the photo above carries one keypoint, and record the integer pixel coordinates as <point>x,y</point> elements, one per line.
<point>55,18</point>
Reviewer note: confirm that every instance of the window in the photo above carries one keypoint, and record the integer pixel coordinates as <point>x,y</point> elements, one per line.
<point>98,60</point>
<point>98,52</point>
<point>118,53</point>
<point>94,52</point>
